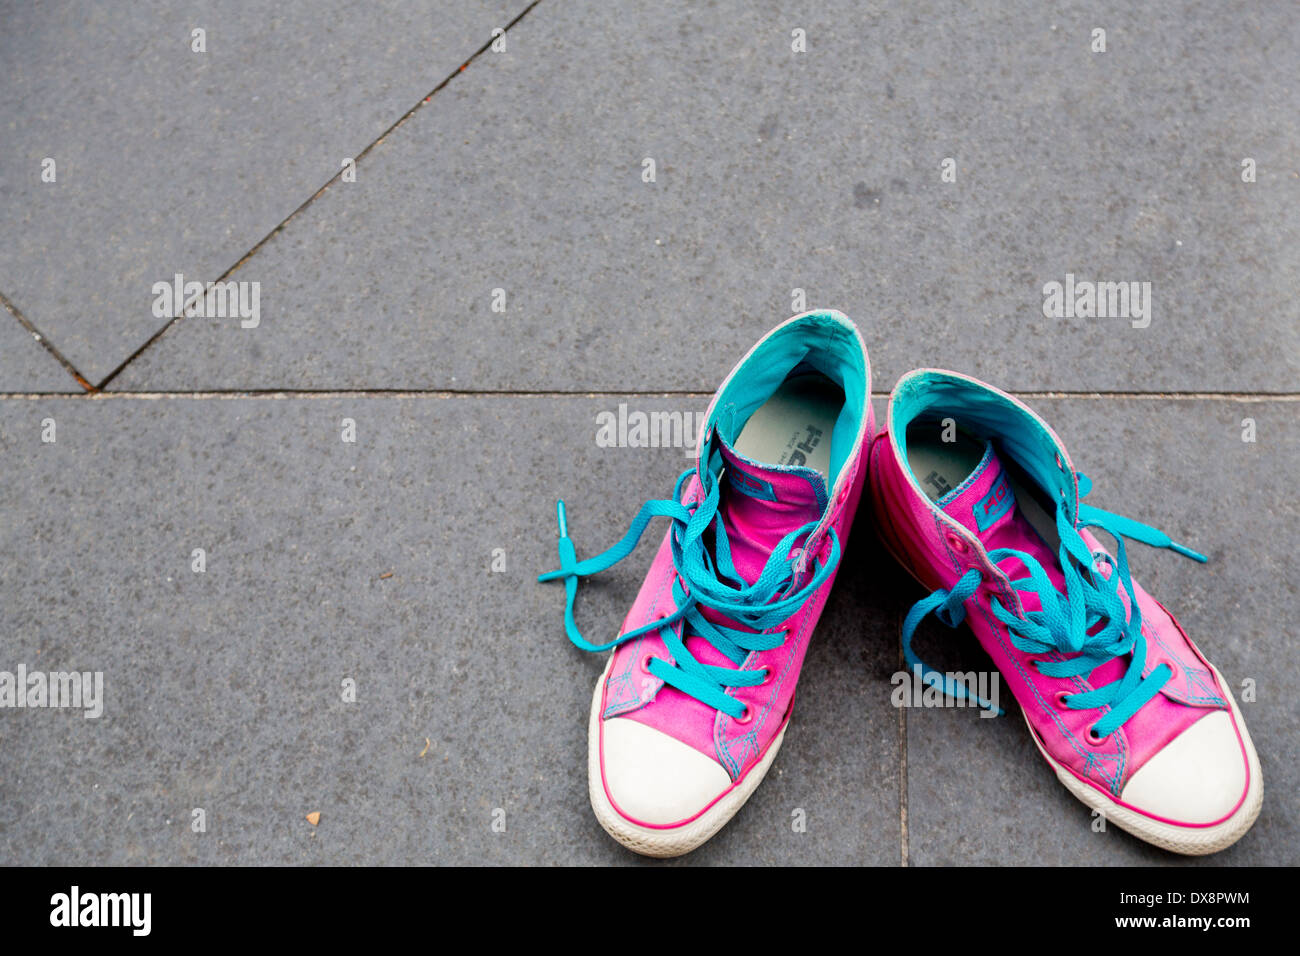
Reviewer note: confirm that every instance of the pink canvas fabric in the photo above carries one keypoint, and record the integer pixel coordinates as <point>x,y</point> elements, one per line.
<point>938,542</point>
<point>632,692</point>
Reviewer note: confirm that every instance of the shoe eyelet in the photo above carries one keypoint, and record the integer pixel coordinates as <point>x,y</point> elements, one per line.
<point>1093,739</point>
<point>767,677</point>
<point>1060,698</point>
<point>1059,463</point>
<point>645,663</point>
<point>746,716</point>
<point>958,543</point>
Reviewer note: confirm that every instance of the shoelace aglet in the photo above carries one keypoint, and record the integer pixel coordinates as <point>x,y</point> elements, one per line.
<point>568,554</point>
<point>1188,552</point>
<point>562,517</point>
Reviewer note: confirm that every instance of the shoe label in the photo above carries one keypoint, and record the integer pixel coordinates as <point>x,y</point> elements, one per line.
<point>941,486</point>
<point>747,484</point>
<point>995,504</point>
<point>797,450</point>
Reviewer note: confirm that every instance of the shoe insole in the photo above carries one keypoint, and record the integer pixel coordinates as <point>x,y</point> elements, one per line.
<point>940,466</point>
<point>794,426</point>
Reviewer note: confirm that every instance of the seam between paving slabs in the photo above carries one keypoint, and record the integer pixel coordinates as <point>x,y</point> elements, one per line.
<point>902,761</point>
<point>42,340</point>
<point>288,393</point>
<point>307,202</point>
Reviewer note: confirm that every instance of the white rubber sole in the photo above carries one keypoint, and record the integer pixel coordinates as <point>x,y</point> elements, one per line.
<point>657,841</point>
<point>1189,841</point>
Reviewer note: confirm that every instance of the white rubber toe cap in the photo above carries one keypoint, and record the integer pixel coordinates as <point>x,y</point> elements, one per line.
<point>1198,777</point>
<point>653,778</point>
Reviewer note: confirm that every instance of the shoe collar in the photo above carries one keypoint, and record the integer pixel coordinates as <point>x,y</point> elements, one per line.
<point>990,414</point>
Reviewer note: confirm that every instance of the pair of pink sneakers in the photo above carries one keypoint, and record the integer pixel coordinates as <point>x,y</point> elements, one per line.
<point>976,496</point>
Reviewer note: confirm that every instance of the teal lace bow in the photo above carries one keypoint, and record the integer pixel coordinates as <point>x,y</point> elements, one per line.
<point>1080,629</point>
<point>705,579</point>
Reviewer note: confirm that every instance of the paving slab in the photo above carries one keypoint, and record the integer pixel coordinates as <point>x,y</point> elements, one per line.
<point>979,792</point>
<point>167,160</point>
<point>25,365</point>
<point>327,561</point>
<point>820,171</point>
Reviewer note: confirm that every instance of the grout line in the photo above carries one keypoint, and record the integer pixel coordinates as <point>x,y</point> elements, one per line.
<point>350,393</point>
<point>1170,396</point>
<point>286,393</point>
<point>44,341</point>
<point>309,200</point>
<point>902,762</point>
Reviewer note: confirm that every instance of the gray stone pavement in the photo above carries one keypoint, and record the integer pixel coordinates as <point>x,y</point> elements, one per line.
<point>25,366</point>
<point>224,689</point>
<point>778,171</point>
<point>372,561</point>
<point>170,160</point>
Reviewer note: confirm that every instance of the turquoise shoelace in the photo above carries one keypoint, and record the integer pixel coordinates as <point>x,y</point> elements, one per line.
<point>1088,625</point>
<point>703,580</point>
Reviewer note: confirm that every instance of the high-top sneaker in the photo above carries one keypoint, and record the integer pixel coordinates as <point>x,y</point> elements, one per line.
<point>695,698</point>
<point>977,497</point>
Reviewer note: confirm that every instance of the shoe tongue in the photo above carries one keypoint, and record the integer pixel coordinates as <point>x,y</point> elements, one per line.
<point>762,503</point>
<point>986,505</point>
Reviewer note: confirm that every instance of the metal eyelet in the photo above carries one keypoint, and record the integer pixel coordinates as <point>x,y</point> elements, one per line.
<point>1060,698</point>
<point>1093,739</point>
<point>646,661</point>
<point>958,543</point>
<point>746,716</point>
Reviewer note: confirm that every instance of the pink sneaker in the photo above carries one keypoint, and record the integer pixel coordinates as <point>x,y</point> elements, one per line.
<point>695,699</point>
<point>977,497</point>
